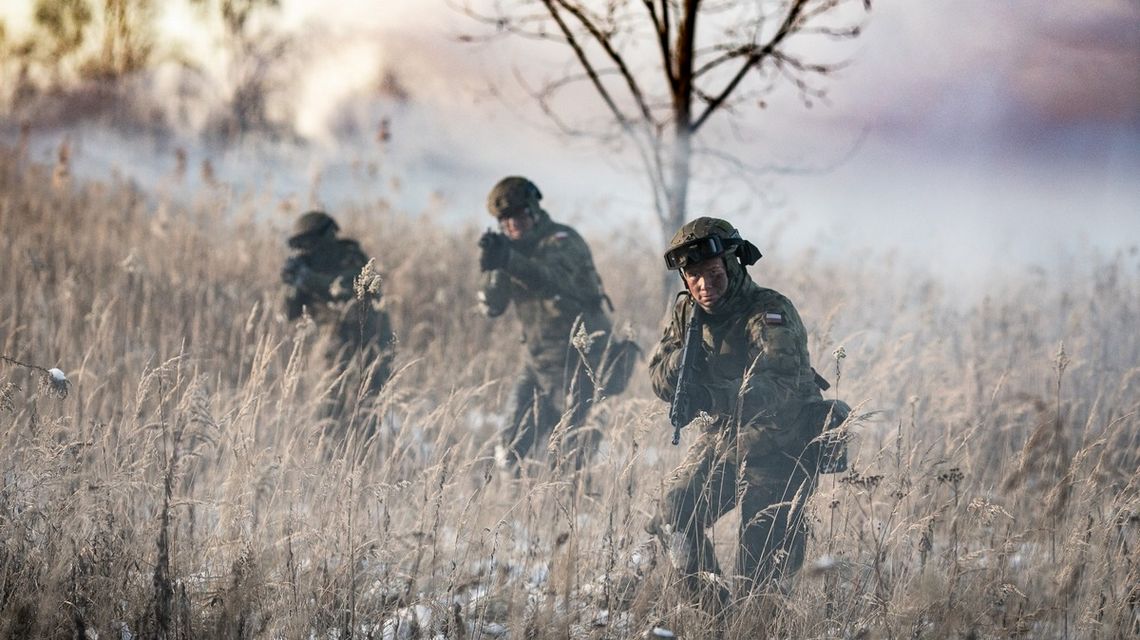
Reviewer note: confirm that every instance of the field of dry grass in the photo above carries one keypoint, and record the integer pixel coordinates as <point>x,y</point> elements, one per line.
<point>185,488</point>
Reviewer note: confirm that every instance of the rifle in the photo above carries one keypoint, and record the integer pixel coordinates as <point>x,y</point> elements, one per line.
<point>681,411</point>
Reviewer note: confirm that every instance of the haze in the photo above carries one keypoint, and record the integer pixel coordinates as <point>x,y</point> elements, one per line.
<point>968,137</point>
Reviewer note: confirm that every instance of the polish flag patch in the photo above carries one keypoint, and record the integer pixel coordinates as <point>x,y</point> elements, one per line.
<point>772,318</point>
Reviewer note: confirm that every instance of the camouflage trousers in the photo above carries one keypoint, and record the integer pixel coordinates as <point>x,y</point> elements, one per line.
<point>354,377</point>
<point>725,468</point>
<point>543,400</point>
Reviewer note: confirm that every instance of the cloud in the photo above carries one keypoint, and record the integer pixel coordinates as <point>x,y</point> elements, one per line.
<point>1083,64</point>
<point>993,68</point>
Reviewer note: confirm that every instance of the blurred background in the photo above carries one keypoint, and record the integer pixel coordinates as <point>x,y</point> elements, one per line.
<point>964,138</point>
<point>953,209</point>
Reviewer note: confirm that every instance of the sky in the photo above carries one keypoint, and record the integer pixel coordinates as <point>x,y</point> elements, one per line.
<point>971,137</point>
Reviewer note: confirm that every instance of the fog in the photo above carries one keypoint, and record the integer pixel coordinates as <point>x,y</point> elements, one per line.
<point>965,138</point>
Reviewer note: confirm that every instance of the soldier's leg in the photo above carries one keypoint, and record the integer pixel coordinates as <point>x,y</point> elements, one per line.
<point>530,415</point>
<point>343,357</point>
<point>701,490</point>
<point>375,373</point>
<point>375,346</point>
<point>363,371</point>
<point>380,347</point>
<point>336,404</point>
<point>582,441</point>
<point>773,526</point>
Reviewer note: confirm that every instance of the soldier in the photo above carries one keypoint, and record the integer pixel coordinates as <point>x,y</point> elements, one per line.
<point>319,279</point>
<point>751,376</point>
<point>546,269</point>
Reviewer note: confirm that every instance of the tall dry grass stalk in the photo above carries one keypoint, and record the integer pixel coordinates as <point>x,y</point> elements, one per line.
<point>188,485</point>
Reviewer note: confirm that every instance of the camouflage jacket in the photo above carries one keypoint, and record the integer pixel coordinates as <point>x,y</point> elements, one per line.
<point>753,366</point>
<point>551,279</point>
<point>326,281</point>
<point>325,288</point>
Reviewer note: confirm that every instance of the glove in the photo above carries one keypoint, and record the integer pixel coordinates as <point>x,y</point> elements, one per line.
<point>496,251</point>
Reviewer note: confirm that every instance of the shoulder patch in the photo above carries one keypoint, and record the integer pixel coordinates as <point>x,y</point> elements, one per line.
<point>560,235</point>
<point>773,319</point>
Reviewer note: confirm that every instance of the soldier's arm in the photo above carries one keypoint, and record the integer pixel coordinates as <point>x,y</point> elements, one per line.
<point>563,267</point>
<point>494,292</point>
<point>314,283</point>
<point>334,285</point>
<point>778,356</point>
<point>342,283</point>
<point>665,363</point>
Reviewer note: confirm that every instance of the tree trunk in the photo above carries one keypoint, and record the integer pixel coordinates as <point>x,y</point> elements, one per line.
<point>677,199</point>
<point>680,170</point>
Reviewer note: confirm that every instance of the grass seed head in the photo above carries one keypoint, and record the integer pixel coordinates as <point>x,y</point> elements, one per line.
<point>55,382</point>
<point>1061,359</point>
<point>367,282</point>
<point>583,340</point>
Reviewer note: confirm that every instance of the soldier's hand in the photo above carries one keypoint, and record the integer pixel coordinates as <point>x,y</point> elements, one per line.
<point>290,270</point>
<point>298,274</point>
<point>496,249</point>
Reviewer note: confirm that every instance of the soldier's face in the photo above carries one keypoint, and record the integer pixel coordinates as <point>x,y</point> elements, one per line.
<point>707,281</point>
<point>517,226</point>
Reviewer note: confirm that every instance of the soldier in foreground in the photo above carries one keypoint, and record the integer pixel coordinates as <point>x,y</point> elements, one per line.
<point>546,270</point>
<point>319,277</point>
<point>746,385</point>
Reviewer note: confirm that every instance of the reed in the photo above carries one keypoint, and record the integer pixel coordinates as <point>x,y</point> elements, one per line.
<point>186,486</point>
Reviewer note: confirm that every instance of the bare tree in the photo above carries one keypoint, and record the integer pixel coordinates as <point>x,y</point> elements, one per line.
<point>81,47</point>
<point>61,30</point>
<point>664,68</point>
<point>64,23</point>
<point>257,53</point>
<point>128,38</point>
<point>81,54</point>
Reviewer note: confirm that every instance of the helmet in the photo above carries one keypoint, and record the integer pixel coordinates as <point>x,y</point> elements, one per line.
<point>313,223</point>
<point>511,196</point>
<point>705,238</point>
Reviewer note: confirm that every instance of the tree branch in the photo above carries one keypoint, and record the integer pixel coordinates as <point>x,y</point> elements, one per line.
<point>788,26</point>
<point>730,54</point>
<point>649,150</point>
<point>661,26</point>
<point>530,26</point>
<point>587,66</point>
<point>604,42</point>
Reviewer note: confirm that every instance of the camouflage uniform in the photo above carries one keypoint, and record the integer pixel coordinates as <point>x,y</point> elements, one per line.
<point>319,279</point>
<point>752,376</point>
<point>550,277</point>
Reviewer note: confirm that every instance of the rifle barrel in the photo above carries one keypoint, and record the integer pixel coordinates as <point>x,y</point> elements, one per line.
<point>680,411</point>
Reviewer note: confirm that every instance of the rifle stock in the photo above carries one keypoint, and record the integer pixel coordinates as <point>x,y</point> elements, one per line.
<point>681,410</point>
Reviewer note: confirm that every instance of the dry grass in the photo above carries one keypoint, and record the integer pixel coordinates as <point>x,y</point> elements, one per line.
<point>185,487</point>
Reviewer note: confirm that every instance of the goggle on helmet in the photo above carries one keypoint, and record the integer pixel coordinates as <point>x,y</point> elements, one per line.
<point>696,251</point>
<point>708,247</point>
